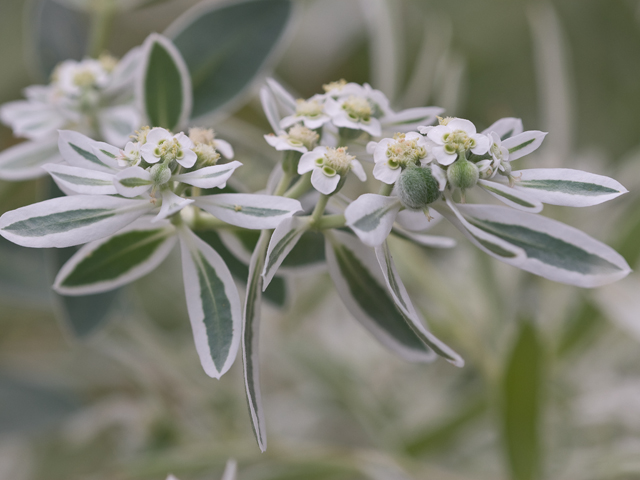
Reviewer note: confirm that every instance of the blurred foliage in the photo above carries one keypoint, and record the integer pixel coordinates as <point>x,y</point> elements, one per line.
<point>131,401</point>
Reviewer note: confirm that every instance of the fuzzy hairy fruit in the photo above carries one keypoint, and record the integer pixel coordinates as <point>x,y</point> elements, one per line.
<point>417,188</point>
<point>463,174</point>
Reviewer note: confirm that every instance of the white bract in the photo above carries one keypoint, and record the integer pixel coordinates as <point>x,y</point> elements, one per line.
<point>455,137</point>
<point>92,96</point>
<point>329,166</point>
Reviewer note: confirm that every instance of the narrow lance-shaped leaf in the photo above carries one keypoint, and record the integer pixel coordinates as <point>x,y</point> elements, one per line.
<point>567,187</point>
<point>409,119</point>
<point>78,151</point>
<point>25,160</point>
<point>209,177</point>
<point>213,304</point>
<point>69,221</point>
<point>404,304</point>
<point>284,238</point>
<point>371,217</point>
<point>551,249</point>
<point>132,181</point>
<point>230,470</point>
<point>523,143</point>
<point>252,211</point>
<point>117,260</point>
<point>512,197</point>
<point>240,38</point>
<point>250,340</point>
<point>505,127</point>
<point>521,404</point>
<point>164,87</point>
<point>361,286</point>
<point>81,180</point>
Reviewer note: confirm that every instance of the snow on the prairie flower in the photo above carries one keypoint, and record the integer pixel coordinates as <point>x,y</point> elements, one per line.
<point>329,166</point>
<point>91,96</point>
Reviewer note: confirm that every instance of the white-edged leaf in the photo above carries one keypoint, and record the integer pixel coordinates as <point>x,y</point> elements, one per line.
<point>118,123</point>
<point>213,304</point>
<point>416,220</point>
<point>250,340</point>
<point>552,249</point>
<point>69,221</point>
<point>164,86</point>
<point>171,203</point>
<point>512,197</point>
<point>132,181</point>
<point>523,143</point>
<point>409,119</point>
<point>25,160</point>
<point>371,217</point>
<point>488,243</point>
<point>81,180</point>
<point>360,284</point>
<point>505,127</point>
<point>286,100</point>
<point>567,187</point>
<point>252,211</point>
<point>270,108</point>
<point>126,70</point>
<point>115,261</point>
<point>424,239</point>
<point>404,304</point>
<point>284,238</point>
<point>209,177</point>
<point>230,470</point>
<point>78,151</point>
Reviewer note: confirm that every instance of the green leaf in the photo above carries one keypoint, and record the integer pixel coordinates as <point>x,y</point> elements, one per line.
<point>522,404</point>
<point>165,85</point>
<point>309,251</point>
<point>117,260</point>
<point>227,46</point>
<point>57,33</point>
<point>360,283</point>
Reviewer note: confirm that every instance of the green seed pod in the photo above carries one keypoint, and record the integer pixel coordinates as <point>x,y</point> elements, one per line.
<point>462,174</point>
<point>417,188</point>
<point>160,174</point>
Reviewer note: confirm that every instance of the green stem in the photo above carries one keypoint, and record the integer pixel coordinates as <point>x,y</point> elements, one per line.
<point>386,189</point>
<point>299,188</point>
<point>283,184</point>
<point>319,210</point>
<point>330,221</point>
<point>205,221</point>
<point>101,21</point>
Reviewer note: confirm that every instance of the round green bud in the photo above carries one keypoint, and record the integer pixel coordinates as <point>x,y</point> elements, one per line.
<point>417,188</point>
<point>160,174</point>
<point>463,174</point>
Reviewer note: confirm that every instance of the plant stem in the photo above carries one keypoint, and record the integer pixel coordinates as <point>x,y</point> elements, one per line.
<point>386,189</point>
<point>101,21</point>
<point>330,221</point>
<point>299,188</point>
<point>283,184</point>
<point>319,210</point>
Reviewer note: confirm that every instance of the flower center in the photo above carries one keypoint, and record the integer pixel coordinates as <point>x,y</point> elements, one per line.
<point>206,153</point>
<point>311,108</point>
<point>336,160</point>
<point>358,108</point>
<point>84,78</point>
<point>169,150</point>
<point>457,141</point>
<point>331,86</point>
<point>301,135</point>
<point>202,135</point>
<point>403,152</point>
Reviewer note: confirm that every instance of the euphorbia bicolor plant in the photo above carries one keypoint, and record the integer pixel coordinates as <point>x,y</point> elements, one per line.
<point>130,204</point>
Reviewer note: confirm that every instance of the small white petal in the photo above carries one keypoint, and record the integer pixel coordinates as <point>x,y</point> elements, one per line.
<point>189,159</point>
<point>322,183</point>
<point>308,160</point>
<point>371,146</point>
<point>483,143</point>
<point>382,172</point>
<point>356,167</point>
<point>443,157</point>
<point>171,203</point>
<point>224,148</point>
<point>461,124</point>
<point>435,134</point>
<point>156,134</point>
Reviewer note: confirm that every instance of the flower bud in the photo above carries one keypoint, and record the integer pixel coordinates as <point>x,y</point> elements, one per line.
<point>462,174</point>
<point>417,188</point>
<point>160,174</point>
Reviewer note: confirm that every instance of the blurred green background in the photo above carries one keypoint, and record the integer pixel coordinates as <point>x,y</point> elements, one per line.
<point>551,389</point>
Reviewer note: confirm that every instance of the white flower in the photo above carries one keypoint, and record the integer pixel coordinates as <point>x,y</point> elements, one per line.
<point>162,145</point>
<point>310,112</point>
<point>299,138</point>
<point>130,156</point>
<point>454,136</point>
<point>329,166</point>
<point>73,78</point>
<point>392,155</point>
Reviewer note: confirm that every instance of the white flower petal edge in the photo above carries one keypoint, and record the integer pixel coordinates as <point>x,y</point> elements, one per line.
<point>163,231</point>
<point>258,212</point>
<point>371,217</point>
<point>567,187</point>
<point>213,304</point>
<point>171,203</point>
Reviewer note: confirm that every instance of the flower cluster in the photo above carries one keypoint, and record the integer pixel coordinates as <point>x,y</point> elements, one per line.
<point>92,96</point>
<point>129,206</point>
